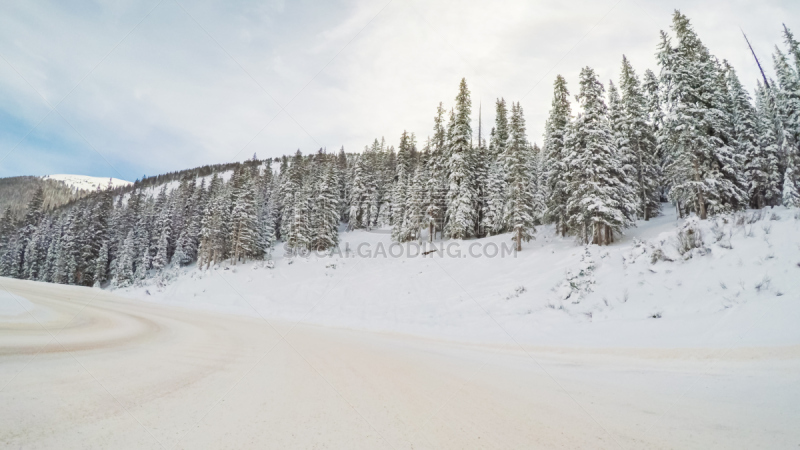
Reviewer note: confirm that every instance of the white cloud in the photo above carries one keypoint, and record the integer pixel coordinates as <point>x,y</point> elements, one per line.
<point>171,97</point>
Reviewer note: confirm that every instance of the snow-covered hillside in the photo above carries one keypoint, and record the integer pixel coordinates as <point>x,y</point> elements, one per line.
<point>732,280</point>
<point>87,183</point>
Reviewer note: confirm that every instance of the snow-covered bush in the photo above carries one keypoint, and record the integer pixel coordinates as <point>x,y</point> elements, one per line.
<point>689,238</point>
<point>577,283</point>
<point>722,235</point>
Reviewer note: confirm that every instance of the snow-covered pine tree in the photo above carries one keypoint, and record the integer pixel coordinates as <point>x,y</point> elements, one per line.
<point>100,236</point>
<point>161,259</point>
<point>495,191</point>
<point>29,226</point>
<point>163,229</point>
<point>791,193</point>
<point>291,182</point>
<point>360,192</point>
<point>181,255</point>
<point>481,160</point>
<point>555,165</point>
<point>52,251</point>
<point>298,234</point>
<point>344,167</point>
<point>637,143</point>
<point>270,223</point>
<point>7,229</point>
<point>328,204</point>
<point>519,199</point>
<point>746,140</point>
<point>188,237</point>
<point>265,225</point>
<point>655,118</point>
<point>143,235</point>
<point>101,265</point>
<point>384,176</point>
<point>35,249</point>
<point>538,188</point>
<point>244,219</point>
<point>787,102</point>
<point>494,215</point>
<point>701,167</point>
<point>414,209</point>
<point>375,196</point>
<point>437,183</point>
<point>199,201</point>
<point>209,223</point>
<point>125,275</point>
<point>600,201</point>
<point>67,260</point>
<point>401,187</point>
<point>460,195</point>
<point>767,180</point>
<point>498,139</point>
<point>11,259</point>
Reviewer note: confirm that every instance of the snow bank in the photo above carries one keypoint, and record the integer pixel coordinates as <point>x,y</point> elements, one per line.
<point>13,305</point>
<point>729,281</point>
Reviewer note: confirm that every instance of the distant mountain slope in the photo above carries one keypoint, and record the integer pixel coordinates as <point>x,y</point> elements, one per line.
<point>88,183</point>
<point>16,193</point>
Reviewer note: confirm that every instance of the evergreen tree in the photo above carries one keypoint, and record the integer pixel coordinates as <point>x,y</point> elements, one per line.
<point>244,219</point>
<point>26,233</point>
<point>52,252</point>
<point>34,252</point>
<point>538,188</point>
<point>326,223</point>
<point>163,231</point>
<point>636,142</point>
<point>415,209</point>
<point>143,235</point>
<point>101,265</point>
<point>764,167</point>
<point>460,195</point>
<point>494,189</point>
<point>438,178</point>
<point>298,234</point>
<point>787,105</point>
<point>481,160</point>
<point>747,144</point>
<point>555,166</point>
<point>7,229</point>
<point>600,200</point>
<point>519,207</point>
<point>360,193</point>
<point>494,215</point>
<point>499,136</point>
<point>401,187</point>
<point>125,270</point>
<point>701,165</point>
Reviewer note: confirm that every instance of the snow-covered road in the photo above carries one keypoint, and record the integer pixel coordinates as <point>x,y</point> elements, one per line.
<point>80,368</point>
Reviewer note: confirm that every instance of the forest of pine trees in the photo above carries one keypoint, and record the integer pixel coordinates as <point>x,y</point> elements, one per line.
<point>690,134</point>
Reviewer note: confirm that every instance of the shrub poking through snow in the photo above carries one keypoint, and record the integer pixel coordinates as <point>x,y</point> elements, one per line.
<point>519,290</point>
<point>578,283</point>
<point>689,238</point>
<point>764,284</point>
<point>722,236</point>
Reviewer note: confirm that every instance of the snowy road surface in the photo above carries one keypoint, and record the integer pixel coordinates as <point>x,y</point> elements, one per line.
<point>80,368</point>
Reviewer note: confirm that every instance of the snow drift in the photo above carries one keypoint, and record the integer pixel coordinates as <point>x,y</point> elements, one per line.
<point>732,280</point>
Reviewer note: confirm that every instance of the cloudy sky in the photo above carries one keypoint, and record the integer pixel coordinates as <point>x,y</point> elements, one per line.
<point>125,88</point>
